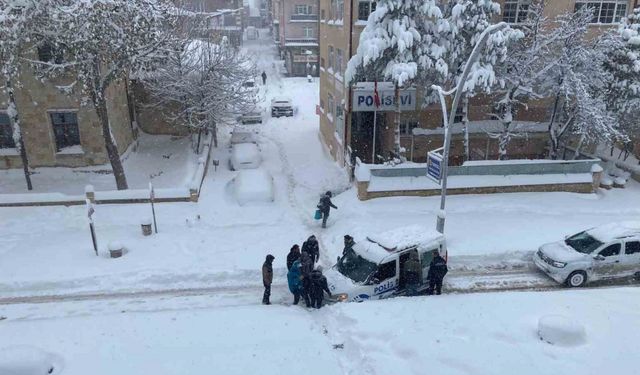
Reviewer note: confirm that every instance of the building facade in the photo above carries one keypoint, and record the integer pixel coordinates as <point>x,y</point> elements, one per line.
<point>295,30</point>
<point>348,134</point>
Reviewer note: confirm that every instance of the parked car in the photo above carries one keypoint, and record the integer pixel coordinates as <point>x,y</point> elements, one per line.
<point>375,268</point>
<point>606,252</point>
<point>241,136</point>
<point>281,106</point>
<point>244,156</point>
<point>252,33</point>
<point>251,118</point>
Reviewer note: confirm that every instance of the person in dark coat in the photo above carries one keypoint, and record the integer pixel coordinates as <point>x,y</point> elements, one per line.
<point>325,206</point>
<point>264,78</point>
<point>348,244</point>
<point>294,279</point>
<point>306,266</point>
<point>319,285</point>
<point>437,270</point>
<point>294,254</point>
<point>267,278</point>
<point>311,246</point>
<point>413,273</point>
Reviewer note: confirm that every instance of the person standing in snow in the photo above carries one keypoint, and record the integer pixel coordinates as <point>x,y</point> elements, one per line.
<point>294,279</point>
<point>264,78</point>
<point>311,246</point>
<point>306,266</point>
<point>294,254</point>
<point>413,273</point>
<point>437,270</point>
<point>267,278</point>
<point>348,244</point>
<point>318,287</point>
<point>325,206</point>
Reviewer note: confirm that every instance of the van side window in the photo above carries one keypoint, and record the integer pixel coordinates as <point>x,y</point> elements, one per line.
<point>611,250</point>
<point>386,270</point>
<point>427,257</point>
<point>632,247</point>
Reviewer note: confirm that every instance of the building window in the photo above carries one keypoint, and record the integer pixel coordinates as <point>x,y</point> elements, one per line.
<point>321,103</point>
<point>322,62</point>
<point>339,9</point>
<point>332,9</point>
<point>406,127</point>
<point>308,32</point>
<point>459,116</point>
<point>331,106</point>
<point>322,15</point>
<point>339,66</point>
<point>515,11</point>
<point>331,59</point>
<point>303,9</point>
<point>48,53</point>
<point>6,132</point>
<point>604,11</point>
<point>339,121</point>
<point>65,129</point>
<point>365,8</point>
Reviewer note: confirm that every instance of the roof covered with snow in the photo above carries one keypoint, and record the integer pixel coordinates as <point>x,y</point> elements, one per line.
<point>378,246</point>
<point>613,231</point>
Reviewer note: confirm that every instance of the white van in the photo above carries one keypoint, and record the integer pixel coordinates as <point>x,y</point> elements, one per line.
<point>375,268</point>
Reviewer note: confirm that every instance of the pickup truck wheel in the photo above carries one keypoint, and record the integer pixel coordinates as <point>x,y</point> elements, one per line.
<point>637,276</point>
<point>576,279</point>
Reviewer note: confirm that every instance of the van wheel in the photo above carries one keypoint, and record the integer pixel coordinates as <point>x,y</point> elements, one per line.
<point>576,279</point>
<point>637,276</point>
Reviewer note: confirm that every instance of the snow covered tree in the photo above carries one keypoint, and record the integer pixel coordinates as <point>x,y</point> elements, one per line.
<point>103,42</point>
<point>468,19</point>
<point>18,19</point>
<point>622,63</point>
<point>203,84</point>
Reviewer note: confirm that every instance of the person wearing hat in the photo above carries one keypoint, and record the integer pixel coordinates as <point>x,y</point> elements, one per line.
<point>267,278</point>
<point>348,244</point>
<point>325,206</point>
<point>319,286</point>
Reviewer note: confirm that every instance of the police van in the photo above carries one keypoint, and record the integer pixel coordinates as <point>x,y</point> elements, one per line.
<point>375,267</point>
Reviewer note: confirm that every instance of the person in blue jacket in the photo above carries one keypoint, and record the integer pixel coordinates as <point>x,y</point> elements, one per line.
<point>294,279</point>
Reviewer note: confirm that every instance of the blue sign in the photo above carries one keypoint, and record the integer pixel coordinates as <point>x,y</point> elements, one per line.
<point>434,166</point>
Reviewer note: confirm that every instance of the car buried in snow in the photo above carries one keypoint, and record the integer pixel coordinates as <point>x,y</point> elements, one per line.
<point>602,253</point>
<point>281,106</point>
<point>375,267</point>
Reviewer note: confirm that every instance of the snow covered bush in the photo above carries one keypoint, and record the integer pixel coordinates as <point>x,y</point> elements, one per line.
<point>561,330</point>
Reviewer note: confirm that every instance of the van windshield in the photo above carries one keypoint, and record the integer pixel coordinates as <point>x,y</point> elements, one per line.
<point>583,243</point>
<point>355,267</point>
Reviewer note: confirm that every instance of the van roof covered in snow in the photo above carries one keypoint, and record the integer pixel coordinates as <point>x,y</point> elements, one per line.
<point>379,246</point>
<point>613,231</point>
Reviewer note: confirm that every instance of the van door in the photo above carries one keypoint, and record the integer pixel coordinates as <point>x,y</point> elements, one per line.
<point>608,265</point>
<point>402,280</point>
<point>385,280</point>
<point>631,258</point>
<point>425,260</point>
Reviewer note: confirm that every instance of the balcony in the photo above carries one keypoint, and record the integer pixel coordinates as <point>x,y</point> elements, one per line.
<point>301,42</point>
<point>304,17</point>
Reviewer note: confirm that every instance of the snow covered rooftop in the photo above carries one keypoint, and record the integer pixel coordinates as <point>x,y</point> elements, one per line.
<point>378,246</point>
<point>610,232</point>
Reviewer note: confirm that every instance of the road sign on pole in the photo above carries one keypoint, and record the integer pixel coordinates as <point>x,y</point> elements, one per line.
<point>434,165</point>
<point>152,197</point>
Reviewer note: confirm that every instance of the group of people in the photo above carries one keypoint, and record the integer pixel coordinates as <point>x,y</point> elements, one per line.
<point>304,277</point>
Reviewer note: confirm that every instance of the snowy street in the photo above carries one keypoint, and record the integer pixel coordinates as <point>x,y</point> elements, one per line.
<point>187,299</point>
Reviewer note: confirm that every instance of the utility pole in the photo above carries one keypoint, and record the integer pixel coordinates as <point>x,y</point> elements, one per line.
<point>475,55</point>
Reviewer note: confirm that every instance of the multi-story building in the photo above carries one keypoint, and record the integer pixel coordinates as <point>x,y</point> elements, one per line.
<point>349,134</point>
<point>220,17</point>
<point>295,29</point>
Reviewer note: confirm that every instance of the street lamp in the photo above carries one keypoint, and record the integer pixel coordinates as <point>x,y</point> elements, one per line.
<point>475,55</point>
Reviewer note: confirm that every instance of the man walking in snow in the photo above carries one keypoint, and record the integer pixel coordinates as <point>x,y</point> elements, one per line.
<point>294,254</point>
<point>311,246</point>
<point>267,278</point>
<point>412,273</point>
<point>318,287</point>
<point>306,266</point>
<point>264,78</point>
<point>348,244</point>
<point>437,270</point>
<point>325,206</point>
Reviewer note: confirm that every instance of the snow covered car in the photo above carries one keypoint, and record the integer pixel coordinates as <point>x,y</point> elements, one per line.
<point>251,118</point>
<point>244,156</point>
<point>375,268</point>
<point>253,186</point>
<point>281,106</point>
<point>606,252</point>
<point>238,136</point>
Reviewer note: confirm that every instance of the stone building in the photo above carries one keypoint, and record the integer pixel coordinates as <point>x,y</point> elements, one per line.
<point>295,30</point>
<point>348,134</point>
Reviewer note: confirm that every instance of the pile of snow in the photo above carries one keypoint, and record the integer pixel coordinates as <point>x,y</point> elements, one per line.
<point>406,236</point>
<point>561,330</point>
<point>27,360</point>
<point>253,185</point>
<point>245,156</point>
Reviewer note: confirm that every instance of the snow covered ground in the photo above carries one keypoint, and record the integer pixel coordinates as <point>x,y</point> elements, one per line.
<point>168,162</point>
<point>480,334</point>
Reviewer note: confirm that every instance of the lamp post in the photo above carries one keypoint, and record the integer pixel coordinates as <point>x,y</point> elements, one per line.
<point>475,55</point>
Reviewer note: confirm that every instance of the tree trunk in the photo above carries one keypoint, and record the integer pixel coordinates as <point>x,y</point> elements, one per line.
<point>215,134</point>
<point>465,125</point>
<point>100,105</point>
<point>17,133</point>
<point>553,136</point>
<point>576,154</point>
<point>505,136</point>
<point>198,141</point>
